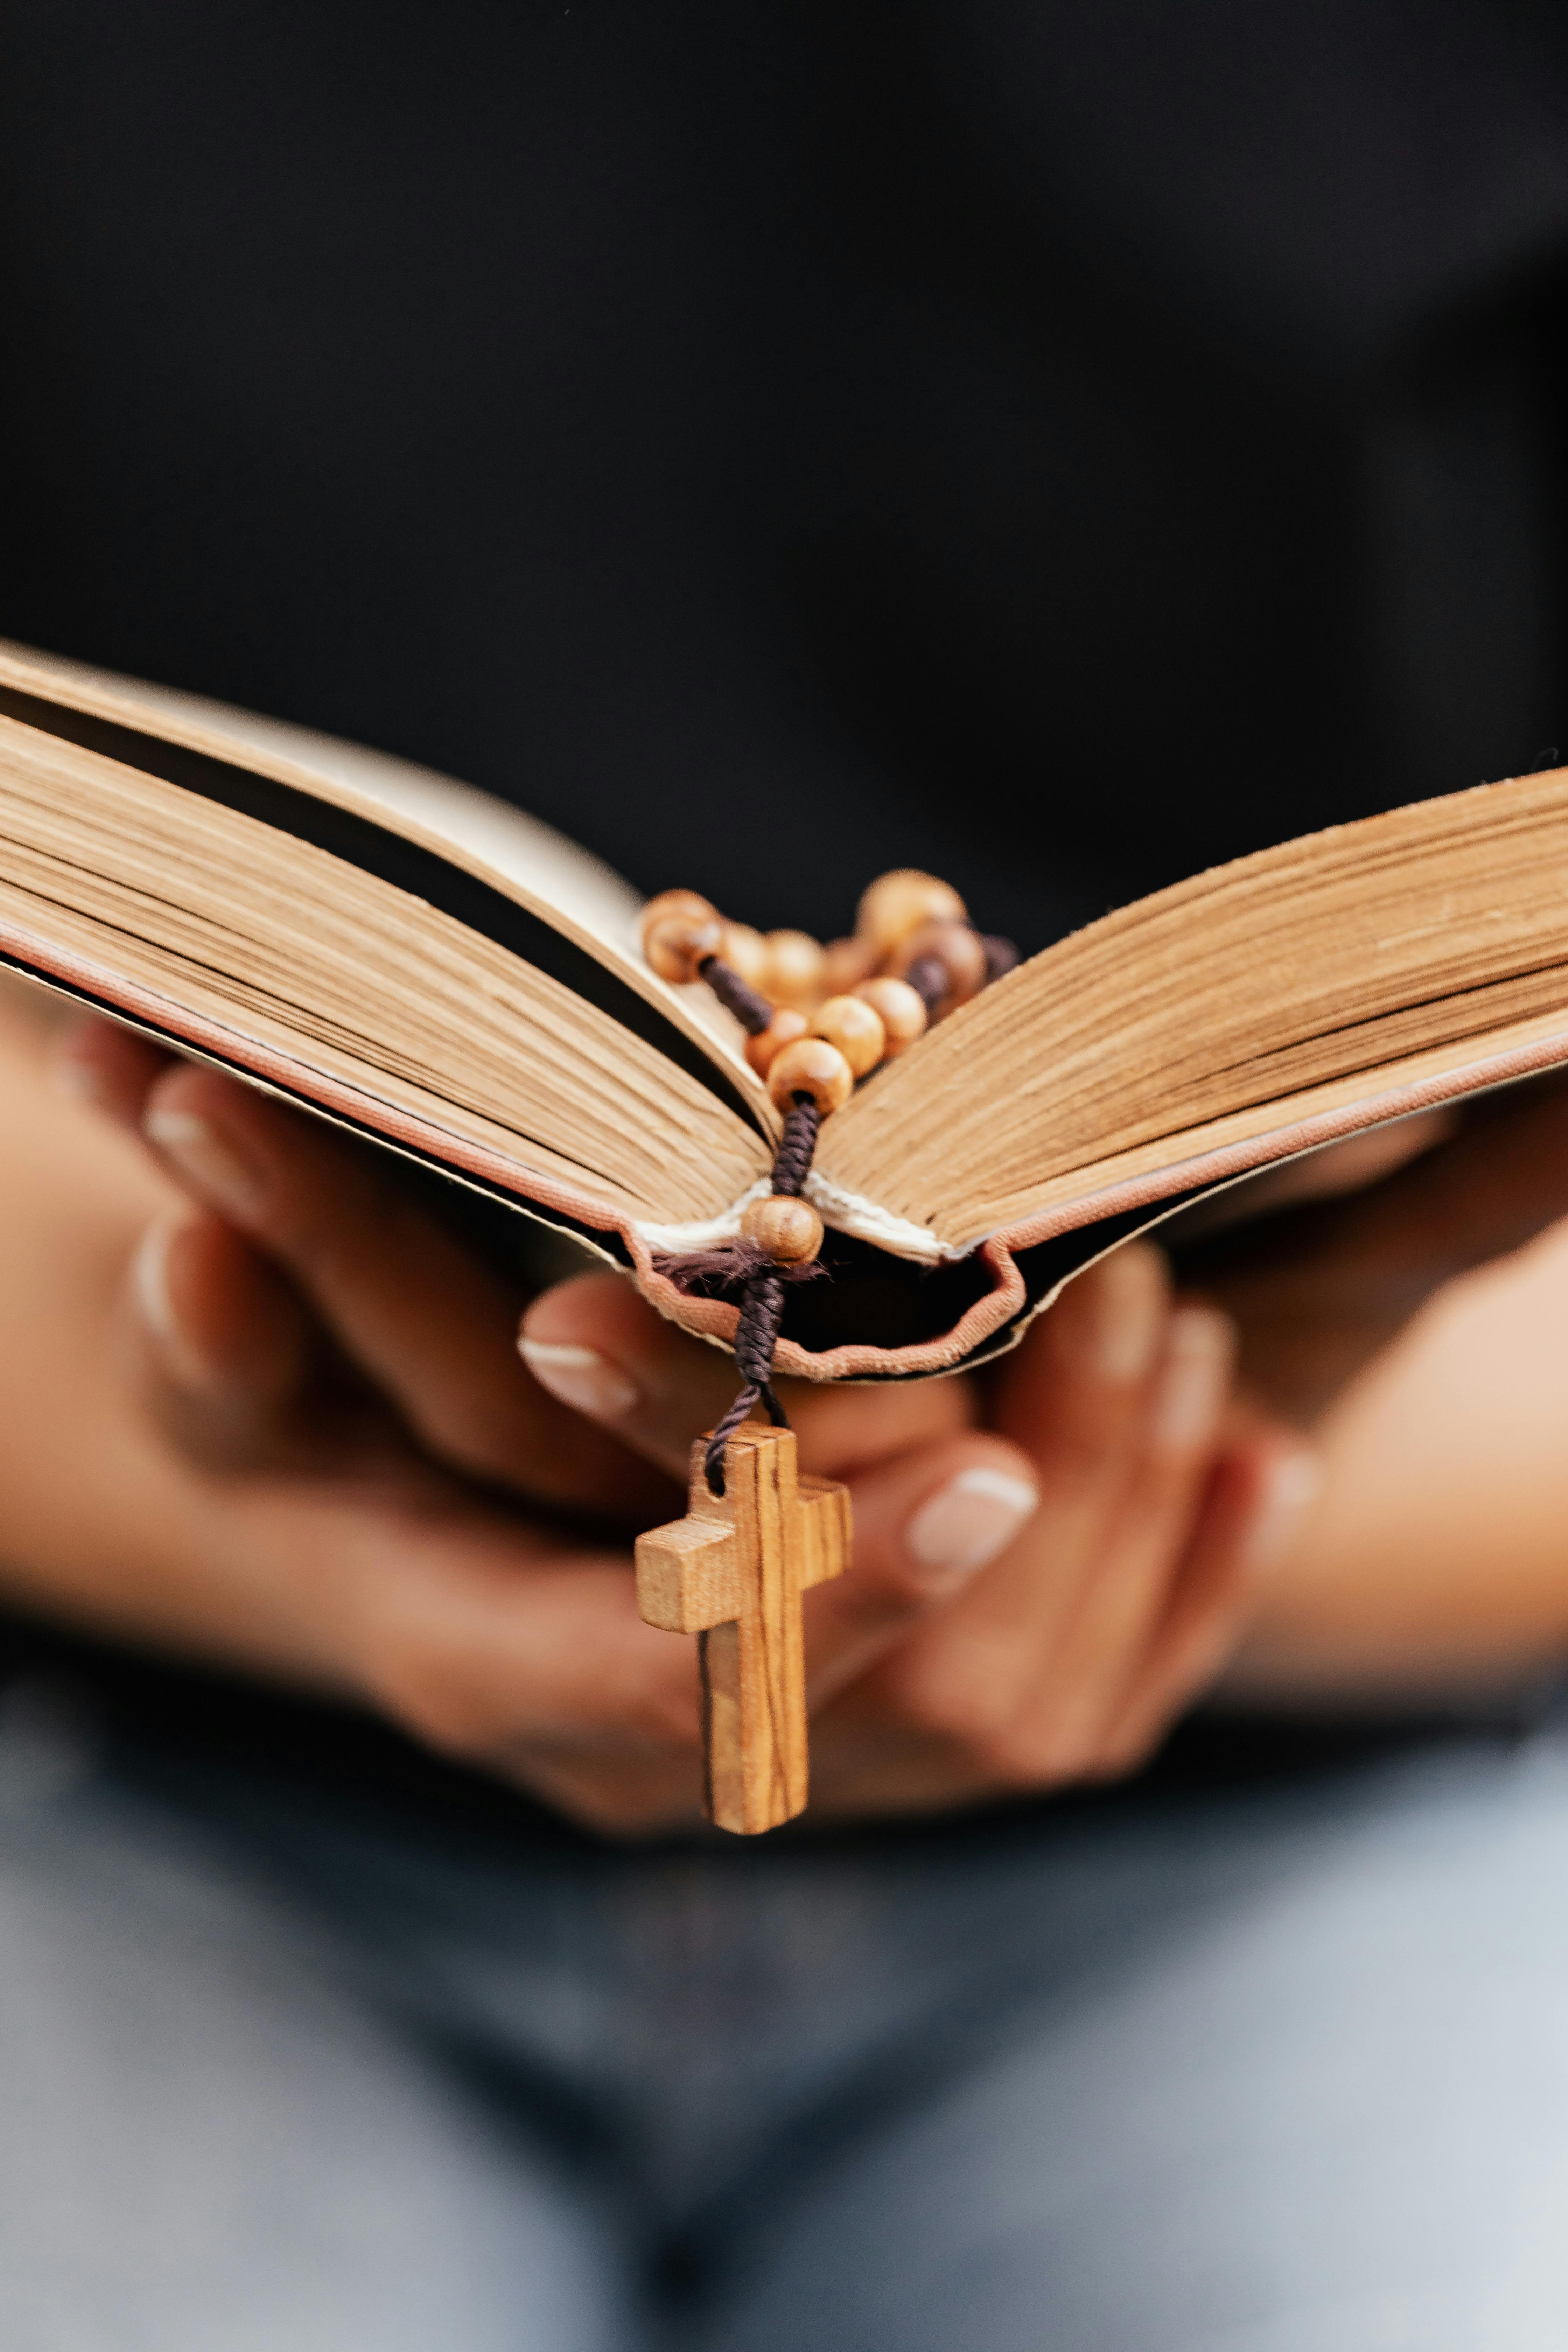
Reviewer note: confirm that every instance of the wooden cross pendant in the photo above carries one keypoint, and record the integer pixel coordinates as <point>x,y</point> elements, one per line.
<point>733,1571</point>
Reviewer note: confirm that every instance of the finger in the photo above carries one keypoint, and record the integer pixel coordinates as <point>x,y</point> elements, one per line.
<point>1105,1640</point>
<point>866,1760</point>
<point>598,1348</point>
<point>1070,1393</point>
<point>502,1647</point>
<point>222,1348</point>
<point>1074,1400</point>
<point>593,1342</point>
<point>429,1326</point>
<point>870,1756</point>
<point>1259,1503</point>
<point>99,1063</point>
<point>617,1790</point>
<point>926,1524</point>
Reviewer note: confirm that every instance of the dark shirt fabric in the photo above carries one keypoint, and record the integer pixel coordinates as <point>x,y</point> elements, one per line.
<point>1061,447</point>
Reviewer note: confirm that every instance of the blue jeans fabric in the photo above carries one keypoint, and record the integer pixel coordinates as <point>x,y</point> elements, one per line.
<point>1269,2068</point>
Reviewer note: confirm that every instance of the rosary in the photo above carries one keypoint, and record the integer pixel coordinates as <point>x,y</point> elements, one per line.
<point>758,1531</point>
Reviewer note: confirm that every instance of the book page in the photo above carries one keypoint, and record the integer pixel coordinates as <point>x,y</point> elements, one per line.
<point>279,948</point>
<point>542,870</point>
<point>534,854</point>
<point>1285,985</point>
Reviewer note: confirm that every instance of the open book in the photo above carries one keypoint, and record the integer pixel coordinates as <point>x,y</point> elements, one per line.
<point>419,963</point>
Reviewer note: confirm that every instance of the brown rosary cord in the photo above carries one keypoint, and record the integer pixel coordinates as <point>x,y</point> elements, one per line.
<point>796,1145</point>
<point>762,1299</point>
<point>752,1012</point>
<point>811,1060</point>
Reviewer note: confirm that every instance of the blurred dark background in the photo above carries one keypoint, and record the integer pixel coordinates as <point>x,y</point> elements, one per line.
<point>1060,446</point>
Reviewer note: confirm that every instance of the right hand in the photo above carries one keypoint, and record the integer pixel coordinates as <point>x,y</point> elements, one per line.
<point>318,1454</point>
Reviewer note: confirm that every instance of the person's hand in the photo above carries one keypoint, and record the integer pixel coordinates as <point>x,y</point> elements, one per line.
<point>1029,1606</point>
<point>381,1498</point>
<point>1357,1239</point>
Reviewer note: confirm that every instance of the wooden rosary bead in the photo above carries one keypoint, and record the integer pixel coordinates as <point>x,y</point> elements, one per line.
<point>855,1027</point>
<point>790,1231</point>
<point>667,903</point>
<point>746,951</point>
<point>844,963</point>
<point>897,904</point>
<point>901,1010</point>
<point>811,1067</point>
<point>678,946</point>
<point>960,951</point>
<point>794,968</point>
<point>782,1030</point>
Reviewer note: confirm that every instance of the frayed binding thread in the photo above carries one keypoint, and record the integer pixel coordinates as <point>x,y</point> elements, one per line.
<point>724,1270</point>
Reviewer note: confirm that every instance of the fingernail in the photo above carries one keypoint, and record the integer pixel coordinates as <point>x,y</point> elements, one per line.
<point>219,1172</point>
<point>1292,1487</point>
<point>155,1298</point>
<point>1125,1329</point>
<point>969,1521</point>
<point>581,1378</point>
<point>1192,1386</point>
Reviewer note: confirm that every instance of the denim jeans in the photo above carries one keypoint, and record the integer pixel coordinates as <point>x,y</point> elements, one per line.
<point>1277,2065</point>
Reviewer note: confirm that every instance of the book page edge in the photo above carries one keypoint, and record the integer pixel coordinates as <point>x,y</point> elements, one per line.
<point>81,689</point>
